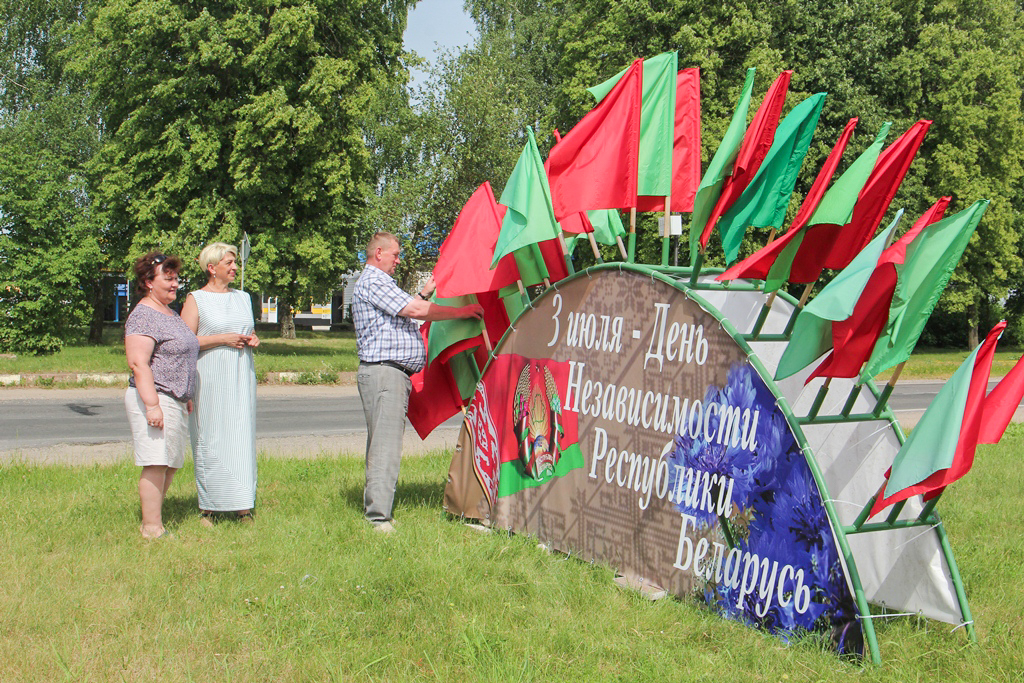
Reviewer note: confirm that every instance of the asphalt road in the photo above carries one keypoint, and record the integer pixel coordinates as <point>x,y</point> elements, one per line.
<point>40,418</point>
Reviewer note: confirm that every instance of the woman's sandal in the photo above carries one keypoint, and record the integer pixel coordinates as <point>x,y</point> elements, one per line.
<point>246,517</point>
<point>206,518</point>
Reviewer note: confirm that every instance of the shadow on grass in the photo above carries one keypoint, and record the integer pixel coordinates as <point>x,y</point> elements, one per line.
<point>412,494</point>
<point>179,509</point>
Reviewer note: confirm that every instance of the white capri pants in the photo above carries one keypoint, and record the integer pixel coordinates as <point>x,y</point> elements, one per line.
<point>158,446</point>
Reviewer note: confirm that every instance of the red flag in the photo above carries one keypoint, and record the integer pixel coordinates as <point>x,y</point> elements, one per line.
<point>435,396</point>
<point>970,429</point>
<point>595,164</point>
<point>576,223</point>
<point>757,265</point>
<point>496,320</point>
<point>834,246</point>
<point>464,262</point>
<point>435,393</point>
<point>551,250</point>
<point>686,147</point>
<point>820,184</point>
<point>756,143</point>
<point>1001,404</point>
<point>853,339</point>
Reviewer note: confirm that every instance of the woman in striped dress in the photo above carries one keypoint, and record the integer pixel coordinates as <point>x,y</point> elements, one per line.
<point>223,424</point>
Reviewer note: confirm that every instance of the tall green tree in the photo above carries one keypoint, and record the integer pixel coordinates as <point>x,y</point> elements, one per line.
<point>50,252</point>
<point>433,147</point>
<point>966,72</point>
<point>956,62</point>
<point>241,116</point>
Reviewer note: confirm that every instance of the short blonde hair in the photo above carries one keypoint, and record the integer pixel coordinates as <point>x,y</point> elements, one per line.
<point>380,239</point>
<point>214,253</point>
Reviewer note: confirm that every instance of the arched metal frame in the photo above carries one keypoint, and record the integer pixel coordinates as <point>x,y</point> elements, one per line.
<point>684,279</point>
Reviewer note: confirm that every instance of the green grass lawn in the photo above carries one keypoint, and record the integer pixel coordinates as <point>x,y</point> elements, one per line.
<point>321,355</point>
<point>312,352</point>
<point>310,593</point>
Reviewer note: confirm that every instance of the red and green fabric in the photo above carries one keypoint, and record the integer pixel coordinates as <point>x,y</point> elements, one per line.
<point>491,421</point>
<point>813,331</point>
<point>657,123</point>
<point>720,167</point>
<point>435,395</point>
<point>930,260</point>
<point>834,235</point>
<point>595,165</point>
<point>764,201</point>
<point>529,218</point>
<point>455,352</point>
<point>576,224</point>
<point>607,226</point>
<point>854,338</point>
<point>804,257</point>
<point>1001,403</point>
<point>761,264</point>
<point>464,261</point>
<point>445,334</point>
<point>685,149</point>
<point>941,448</point>
<point>756,143</point>
<point>541,260</point>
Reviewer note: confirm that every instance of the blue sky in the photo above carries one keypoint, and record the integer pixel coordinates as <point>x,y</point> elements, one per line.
<point>437,23</point>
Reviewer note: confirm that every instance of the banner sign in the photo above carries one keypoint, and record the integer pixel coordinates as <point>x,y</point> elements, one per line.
<point>619,422</point>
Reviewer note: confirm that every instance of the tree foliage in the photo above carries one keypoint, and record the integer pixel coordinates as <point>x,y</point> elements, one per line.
<point>464,125</point>
<point>50,255</point>
<point>955,62</point>
<point>240,116</point>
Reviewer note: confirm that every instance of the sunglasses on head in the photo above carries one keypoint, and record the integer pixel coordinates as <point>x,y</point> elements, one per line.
<point>158,259</point>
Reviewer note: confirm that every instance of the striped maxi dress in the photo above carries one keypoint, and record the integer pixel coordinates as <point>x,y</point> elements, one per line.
<point>223,422</point>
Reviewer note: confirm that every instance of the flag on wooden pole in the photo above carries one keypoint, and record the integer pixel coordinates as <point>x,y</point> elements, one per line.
<point>764,201</point>
<point>756,143</point>
<point>941,448</point>
<point>594,166</point>
<point>720,167</point>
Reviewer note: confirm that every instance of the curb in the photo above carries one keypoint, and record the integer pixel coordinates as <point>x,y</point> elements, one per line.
<point>36,379</point>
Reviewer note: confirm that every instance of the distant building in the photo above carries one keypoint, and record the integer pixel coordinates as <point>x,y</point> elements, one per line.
<point>323,316</point>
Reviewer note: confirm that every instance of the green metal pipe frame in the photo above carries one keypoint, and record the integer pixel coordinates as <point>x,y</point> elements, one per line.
<point>664,274</point>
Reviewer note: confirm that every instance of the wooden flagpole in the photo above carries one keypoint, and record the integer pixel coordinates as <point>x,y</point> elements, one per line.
<point>487,338</point>
<point>593,246</point>
<point>631,256</point>
<point>883,398</point>
<point>622,248</point>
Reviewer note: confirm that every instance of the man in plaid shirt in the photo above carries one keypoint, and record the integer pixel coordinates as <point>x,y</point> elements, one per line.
<point>390,352</point>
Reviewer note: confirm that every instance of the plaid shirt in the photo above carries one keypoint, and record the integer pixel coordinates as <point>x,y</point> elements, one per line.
<point>382,334</point>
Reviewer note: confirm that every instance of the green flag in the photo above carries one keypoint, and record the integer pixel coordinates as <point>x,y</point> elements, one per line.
<point>530,263</point>
<point>444,333</point>
<point>607,226</point>
<point>836,207</point>
<point>720,166</point>
<point>657,122</point>
<point>529,218</point>
<point>933,443</point>
<point>812,333</point>
<point>465,373</point>
<point>923,275</point>
<point>764,201</point>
